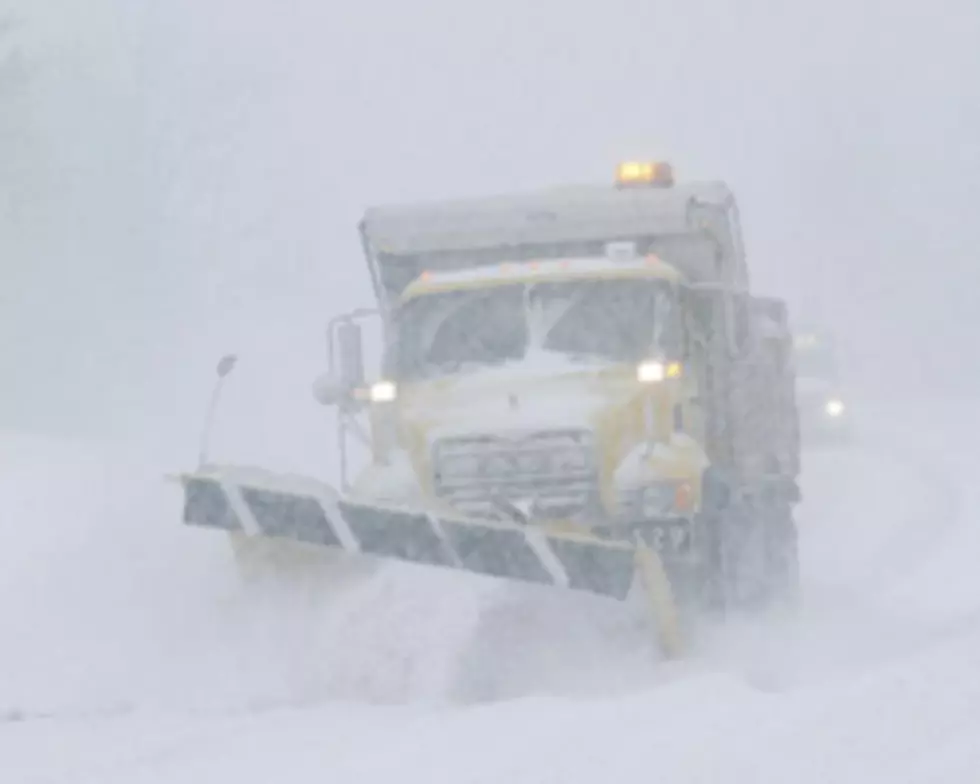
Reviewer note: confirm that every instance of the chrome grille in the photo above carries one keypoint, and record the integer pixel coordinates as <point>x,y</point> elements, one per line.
<point>546,473</point>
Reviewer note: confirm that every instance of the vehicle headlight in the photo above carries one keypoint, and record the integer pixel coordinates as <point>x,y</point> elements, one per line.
<point>834,407</point>
<point>650,372</point>
<point>653,371</point>
<point>383,392</point>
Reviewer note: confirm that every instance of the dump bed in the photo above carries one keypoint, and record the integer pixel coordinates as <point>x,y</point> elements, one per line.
<point>694,226</point>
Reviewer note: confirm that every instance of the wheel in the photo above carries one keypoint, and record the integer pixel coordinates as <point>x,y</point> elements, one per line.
<point>750,550</point>
<point>712,576</point>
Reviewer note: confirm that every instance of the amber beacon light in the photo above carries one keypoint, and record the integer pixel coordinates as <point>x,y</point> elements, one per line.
<point>644,174</point>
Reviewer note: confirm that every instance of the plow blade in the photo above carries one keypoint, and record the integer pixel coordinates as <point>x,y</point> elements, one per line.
<point>257,503</point>
<point>314,513</point>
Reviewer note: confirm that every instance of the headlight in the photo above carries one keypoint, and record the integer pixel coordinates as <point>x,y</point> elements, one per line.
<point>834,407</point>
<point>383,392</point>
<point>651,372</point>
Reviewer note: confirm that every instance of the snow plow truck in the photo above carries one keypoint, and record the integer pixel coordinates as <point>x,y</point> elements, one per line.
<point>578,390</point>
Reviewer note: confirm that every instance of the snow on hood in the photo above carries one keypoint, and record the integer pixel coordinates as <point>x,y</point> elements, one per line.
<point>547,392</point>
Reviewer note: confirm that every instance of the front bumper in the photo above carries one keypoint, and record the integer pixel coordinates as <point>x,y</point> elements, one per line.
<point>673,538</point>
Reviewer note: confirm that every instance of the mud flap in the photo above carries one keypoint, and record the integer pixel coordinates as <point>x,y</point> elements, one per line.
<point>257,503</point>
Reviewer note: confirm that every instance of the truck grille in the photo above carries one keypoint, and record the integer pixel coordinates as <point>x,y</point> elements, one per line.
<point>546,473</point>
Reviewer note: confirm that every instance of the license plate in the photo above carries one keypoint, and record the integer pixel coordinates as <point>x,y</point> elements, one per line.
<point>668,537</point>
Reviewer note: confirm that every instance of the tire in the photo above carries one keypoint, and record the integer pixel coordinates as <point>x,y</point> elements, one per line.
<point>713,575</point>
<point>751,557</point>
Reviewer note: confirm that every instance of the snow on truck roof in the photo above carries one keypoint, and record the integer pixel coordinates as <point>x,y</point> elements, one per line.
<point>562,214</point>
<point>600,268</point>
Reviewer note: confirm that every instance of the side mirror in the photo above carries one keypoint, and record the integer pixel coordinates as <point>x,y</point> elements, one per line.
<point>350,353</point>
<point>226,365</point>
<point>328,390</point>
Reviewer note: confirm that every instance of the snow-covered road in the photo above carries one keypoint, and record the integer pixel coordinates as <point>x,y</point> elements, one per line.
<point>125,657</point>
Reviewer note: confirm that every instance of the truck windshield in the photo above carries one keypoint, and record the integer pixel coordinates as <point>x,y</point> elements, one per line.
<point>614,321</point>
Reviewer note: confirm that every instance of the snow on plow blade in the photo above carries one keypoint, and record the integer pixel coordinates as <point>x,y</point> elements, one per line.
<point>261,504</point>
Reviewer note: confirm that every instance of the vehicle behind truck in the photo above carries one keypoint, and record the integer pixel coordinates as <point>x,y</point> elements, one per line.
<point>825,415</point>
<point>578,389</point>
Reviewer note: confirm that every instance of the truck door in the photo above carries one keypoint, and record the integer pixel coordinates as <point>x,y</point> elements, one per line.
<point>694,356</point>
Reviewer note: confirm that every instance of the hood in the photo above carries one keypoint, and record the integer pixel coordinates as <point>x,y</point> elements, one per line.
<point>518,398</point>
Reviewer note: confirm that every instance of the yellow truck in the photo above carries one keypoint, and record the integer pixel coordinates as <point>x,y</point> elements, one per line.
<point>577,390</point>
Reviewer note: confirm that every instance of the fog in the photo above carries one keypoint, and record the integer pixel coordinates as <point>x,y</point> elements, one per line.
<point>183,179</point>
<point>180,179</point>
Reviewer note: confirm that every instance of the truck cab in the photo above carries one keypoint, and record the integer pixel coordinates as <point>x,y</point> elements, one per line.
<point>585,359</point>
<point>557,391</point>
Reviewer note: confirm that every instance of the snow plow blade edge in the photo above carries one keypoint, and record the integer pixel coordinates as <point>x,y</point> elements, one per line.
<point>310,512</point>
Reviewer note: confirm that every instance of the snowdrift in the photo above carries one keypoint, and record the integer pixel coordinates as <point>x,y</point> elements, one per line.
<point>110,604</point>
<point>128,654</point>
